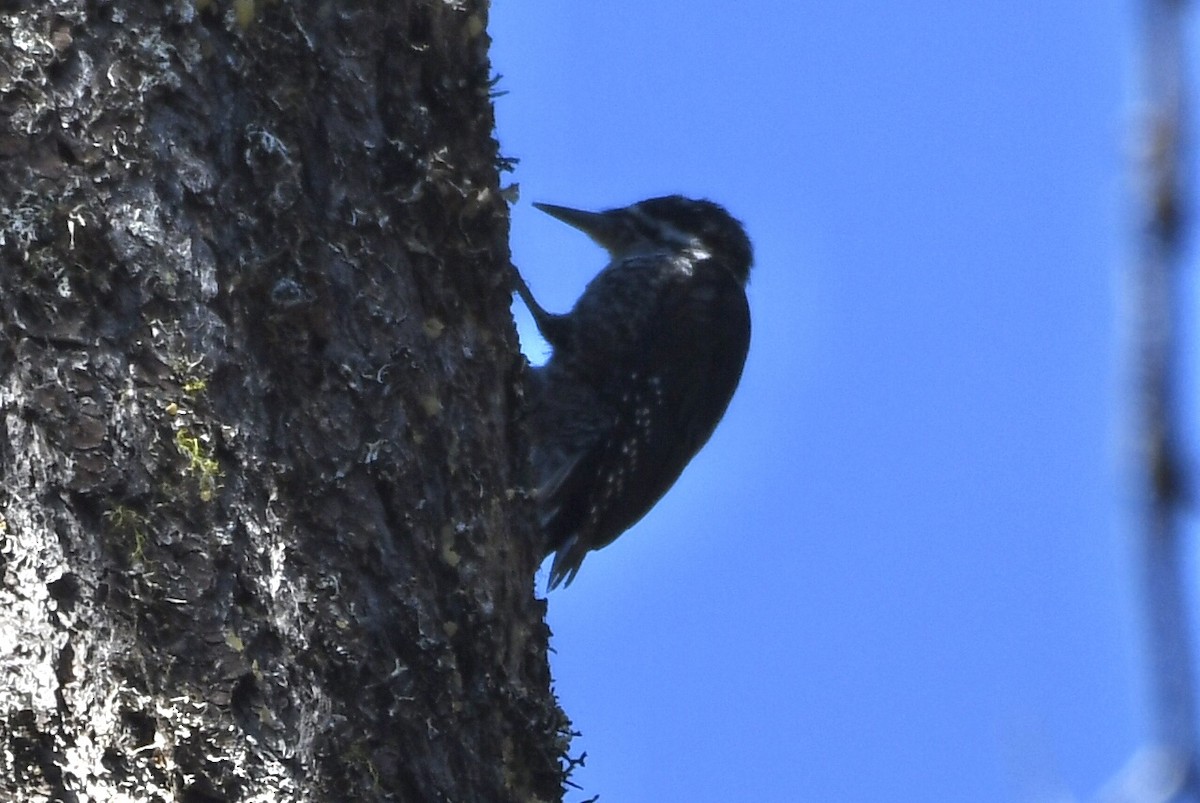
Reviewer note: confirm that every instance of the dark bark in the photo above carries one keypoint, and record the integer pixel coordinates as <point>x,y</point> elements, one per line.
<point>259,472</point>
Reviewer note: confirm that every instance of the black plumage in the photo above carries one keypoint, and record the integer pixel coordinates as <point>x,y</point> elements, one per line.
<point>641,371</point>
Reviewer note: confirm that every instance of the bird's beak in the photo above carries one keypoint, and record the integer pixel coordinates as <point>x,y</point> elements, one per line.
<point>604,229</point>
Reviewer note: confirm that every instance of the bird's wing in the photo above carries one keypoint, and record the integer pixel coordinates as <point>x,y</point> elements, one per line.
<point>680,381</point>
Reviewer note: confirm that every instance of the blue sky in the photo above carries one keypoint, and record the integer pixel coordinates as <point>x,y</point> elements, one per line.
<point>902,570</point>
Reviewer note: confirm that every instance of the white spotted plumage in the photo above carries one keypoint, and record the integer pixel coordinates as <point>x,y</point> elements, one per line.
<point>642,368</point>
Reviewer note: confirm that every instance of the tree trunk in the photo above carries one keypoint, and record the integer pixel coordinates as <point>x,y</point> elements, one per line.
<point>262,533</point>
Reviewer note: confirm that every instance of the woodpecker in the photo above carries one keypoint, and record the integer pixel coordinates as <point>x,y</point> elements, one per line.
<point>641,368</point>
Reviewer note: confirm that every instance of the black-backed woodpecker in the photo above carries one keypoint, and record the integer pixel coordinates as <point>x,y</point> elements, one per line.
<point>641,369</point>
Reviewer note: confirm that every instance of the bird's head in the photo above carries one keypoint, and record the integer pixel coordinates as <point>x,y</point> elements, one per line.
<point>669,224</point>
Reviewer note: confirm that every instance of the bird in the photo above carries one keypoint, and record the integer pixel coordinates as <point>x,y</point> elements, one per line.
<point>641,369</point>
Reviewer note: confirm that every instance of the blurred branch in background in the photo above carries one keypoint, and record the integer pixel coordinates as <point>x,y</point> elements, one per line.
<point>1166,770</point>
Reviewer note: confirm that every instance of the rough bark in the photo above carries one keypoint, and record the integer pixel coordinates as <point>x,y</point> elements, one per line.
<point>262,537</point>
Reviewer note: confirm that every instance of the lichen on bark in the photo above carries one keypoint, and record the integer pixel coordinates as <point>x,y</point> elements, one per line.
<point>263,533</point>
